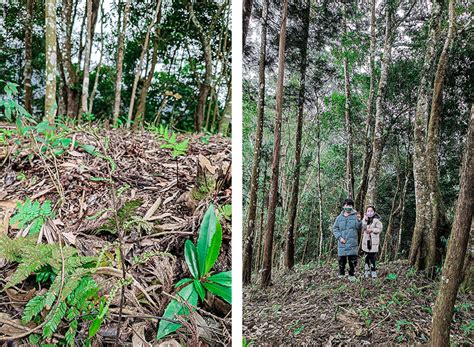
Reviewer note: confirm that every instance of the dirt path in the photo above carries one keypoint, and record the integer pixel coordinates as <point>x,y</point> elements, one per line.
<point>312,306</point>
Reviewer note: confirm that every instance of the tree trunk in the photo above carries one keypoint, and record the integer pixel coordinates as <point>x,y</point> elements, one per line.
<point>434,253</point>
<point>140,115</point>
<point>377,143</point>
<point>120,52</point>
<point>268,246</point>
<point>290,240</point>
<point>138,70</point>
<point>264,202</point>
<point>87,60</point>
<point>28,56</point>
<point>468,268</point>
<point>419,241</point>
<point>226,118</point>
<point>402,216</point>
<point>206,85</point>
<point>458,241</point>
<point>360,199</point>
<point>97,74</point>
<point>257,153</point>
<point>50,105</point>
<point>393,213</point>
<point>246,12</point>
<point>320,194</point>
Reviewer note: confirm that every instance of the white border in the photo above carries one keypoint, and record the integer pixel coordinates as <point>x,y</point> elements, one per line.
<point>236,173</point>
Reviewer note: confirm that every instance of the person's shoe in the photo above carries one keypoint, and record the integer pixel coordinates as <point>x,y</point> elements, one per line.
<point>374,274</point>
<point>367,271</point>
<point>352,278</point>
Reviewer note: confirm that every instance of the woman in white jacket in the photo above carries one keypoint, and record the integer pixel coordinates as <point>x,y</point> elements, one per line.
<point>371,229</point>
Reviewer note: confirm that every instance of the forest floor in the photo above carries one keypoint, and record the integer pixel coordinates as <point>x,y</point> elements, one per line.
<point>312,306</point>
<point>159,200</point>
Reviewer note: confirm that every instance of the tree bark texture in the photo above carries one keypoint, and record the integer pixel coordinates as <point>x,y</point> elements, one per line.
<point>28,55</point>
<point>50,105</point>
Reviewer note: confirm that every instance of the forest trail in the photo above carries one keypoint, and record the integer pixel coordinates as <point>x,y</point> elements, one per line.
<point>312,306</point>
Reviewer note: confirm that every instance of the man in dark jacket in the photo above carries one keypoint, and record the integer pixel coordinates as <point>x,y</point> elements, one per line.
<point>346,229</point>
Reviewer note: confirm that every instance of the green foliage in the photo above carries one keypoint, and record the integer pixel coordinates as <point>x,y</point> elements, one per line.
<point>225,211</point>
<point>200,261</point>
<point>79,296</point>
<point>32,214</point>
<point>399,324</point>
<point>468,328</point>
<point>171,142</point>
<point>124,214</point>
<point>391,276</point>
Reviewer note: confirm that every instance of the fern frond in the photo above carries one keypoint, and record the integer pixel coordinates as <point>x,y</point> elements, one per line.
<point>71,333</point>
<point>53,319</point>
<point>33,307</point>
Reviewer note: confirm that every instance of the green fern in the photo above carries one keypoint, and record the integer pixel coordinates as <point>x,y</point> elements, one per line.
<point>53,319</point>
<point>33,307</point>
<point>34,214</point>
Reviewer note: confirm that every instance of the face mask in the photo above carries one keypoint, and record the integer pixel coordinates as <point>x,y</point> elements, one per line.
<point>347,209</point>
<point>370,214</point>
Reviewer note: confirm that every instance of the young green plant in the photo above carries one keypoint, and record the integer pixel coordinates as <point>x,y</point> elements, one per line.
<point>200,259</point>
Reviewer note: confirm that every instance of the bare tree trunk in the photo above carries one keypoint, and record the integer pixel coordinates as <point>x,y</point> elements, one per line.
<point>257,153</point>
<point>377,144</point>
<point>87,60</point>
<point>140,115</point>
<point>402,216</point>
<point>226,119</point>
<point>418,252</point>
<point>206,85</point>
<point>468,268</point>
<point>320,194</point>
<point>120,52</point>
<point>268,246</point>
<point>30,4</point>
<point>50,105</point>
<point>458,241</point>
<point>360,199</point>
<point>434,254</point>
<point>138,70</point>
<point>290,239</point>
<point>97,74</point>
<point>394,211</point>
<point>247,11</point>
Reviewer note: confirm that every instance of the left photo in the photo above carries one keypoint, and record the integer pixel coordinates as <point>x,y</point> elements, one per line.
<point>115,173</point>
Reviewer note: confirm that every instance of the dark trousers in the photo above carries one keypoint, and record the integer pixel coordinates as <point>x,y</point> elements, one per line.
<point>352,264</point>
<point>370,258</point>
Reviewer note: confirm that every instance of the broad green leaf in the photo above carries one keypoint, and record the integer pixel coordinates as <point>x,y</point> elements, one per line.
<point>206,234</point>
<point>183,281</point>
<point>221,291</point>
<point>175,308</point>
<point>89,149</point>
<point>95,326</point>
<point>191,258</point>
<point>222,278</point>
<point>214,249</point>
<point>200,290</point>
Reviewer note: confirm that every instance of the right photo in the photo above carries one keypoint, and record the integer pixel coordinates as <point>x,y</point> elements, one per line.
<point>358,172</point>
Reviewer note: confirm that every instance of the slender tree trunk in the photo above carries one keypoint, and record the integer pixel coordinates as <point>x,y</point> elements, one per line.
<point>368,127</point>
<point>268,246</point>
<point>402,216</point>
<point>394,211</point>
<point>226,118</point>
<point>87,60</point>
<point>30,4</point>
<point>69,70</point>
<point>458,241</point>
<point>468,268</point>
<point>139,67</point>
<point>434,254</point>
<point>419,245</point>
<point>377,143</point>
<point>290,239</point>
<point>206,85</point>
<point>140,114</point>
<point>97,74</point>
<point>247,11</point>
<point>320,194</point>
<point>257,153</point>
<point>120,53</point>
<point>50,105</point>
<point>265,200</point>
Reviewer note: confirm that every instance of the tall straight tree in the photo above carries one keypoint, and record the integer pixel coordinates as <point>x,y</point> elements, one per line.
<point>257,153</point>
<point>420,247</point>
<point>268,244</point>
<point>28,55</point>
<point>87,60</point>
<point>453,264</point>
<point>377,143</point>
<point>138,69</point>
<point>360,199</point>
<point>290,239</point>
<point>120,53</point>
<point>51,61</point>
<point>347,116</point>
<point>246,12</point>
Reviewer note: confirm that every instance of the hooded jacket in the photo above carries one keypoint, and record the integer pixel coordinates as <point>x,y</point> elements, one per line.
<point>376,227</point>
<point>348,229</point>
